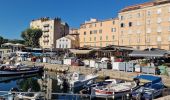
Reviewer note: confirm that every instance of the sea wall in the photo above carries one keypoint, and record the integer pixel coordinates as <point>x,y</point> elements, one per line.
<point>86,70</point>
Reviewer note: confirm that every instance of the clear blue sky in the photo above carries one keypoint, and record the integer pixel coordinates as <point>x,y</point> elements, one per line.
<point>15,15</point>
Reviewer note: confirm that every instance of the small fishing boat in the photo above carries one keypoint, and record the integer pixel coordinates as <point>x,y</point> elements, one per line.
<point>150,90</point>
<point>13,70</point>
<point>113,90</point>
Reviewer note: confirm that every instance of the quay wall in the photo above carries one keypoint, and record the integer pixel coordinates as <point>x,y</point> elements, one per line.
<point>104,72</point>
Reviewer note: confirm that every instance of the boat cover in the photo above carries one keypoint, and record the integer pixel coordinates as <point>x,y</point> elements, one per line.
<point>153,79</point>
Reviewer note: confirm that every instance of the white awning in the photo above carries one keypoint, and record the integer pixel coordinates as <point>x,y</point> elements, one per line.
<point>76,51</point>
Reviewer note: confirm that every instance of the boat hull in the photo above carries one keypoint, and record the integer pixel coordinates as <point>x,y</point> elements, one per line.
<point>20,72</point>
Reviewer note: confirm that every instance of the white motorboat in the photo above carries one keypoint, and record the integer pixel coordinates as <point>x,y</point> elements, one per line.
<point>79,80</point>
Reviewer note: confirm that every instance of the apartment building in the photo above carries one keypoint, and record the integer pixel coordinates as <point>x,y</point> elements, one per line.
<point>53,29</point>
<point>145,25</point>
<point>99,33</point>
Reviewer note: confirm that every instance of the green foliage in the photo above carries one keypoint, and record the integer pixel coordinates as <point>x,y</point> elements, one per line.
<point>31,37</point>
<point>29,83</point>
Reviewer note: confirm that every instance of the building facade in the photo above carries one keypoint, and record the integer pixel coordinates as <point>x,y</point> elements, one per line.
<point>145,25</point>
<point>53,29</point>
<point>99,33</point>
<point>69,41</point>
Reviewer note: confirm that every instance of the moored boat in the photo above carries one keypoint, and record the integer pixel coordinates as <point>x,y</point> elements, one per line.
<point>8,70</point>
<point>113,90</point>
<point>149,90</point>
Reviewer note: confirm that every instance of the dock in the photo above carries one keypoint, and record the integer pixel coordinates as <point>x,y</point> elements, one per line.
<point>87,70</point>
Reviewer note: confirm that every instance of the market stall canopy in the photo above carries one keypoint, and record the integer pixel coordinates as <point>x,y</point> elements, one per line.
<point>77,51</point>
<point>8,44</point>
<point>155,53</point>
<point>19,45</point>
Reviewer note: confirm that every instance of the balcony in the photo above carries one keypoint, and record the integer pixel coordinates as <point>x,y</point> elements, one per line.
<point>46,35</point>
<point>45,30</point>
<point>46,40</point>
<point>46,25</point>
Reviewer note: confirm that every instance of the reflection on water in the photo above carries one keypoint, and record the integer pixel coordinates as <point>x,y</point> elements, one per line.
<point>46,83</point>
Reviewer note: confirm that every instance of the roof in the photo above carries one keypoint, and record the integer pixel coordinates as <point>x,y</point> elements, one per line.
<point>153,79</point>
<point>155,53</point>
<point>118,47</point>
<point>71,37</point>
<point>146,4</point>
<point>76,51</point>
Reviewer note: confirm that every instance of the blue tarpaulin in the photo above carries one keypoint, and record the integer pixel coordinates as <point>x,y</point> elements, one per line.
<point>153,79</point>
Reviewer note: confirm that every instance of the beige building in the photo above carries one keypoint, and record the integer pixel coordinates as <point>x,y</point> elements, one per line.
<point>68,42</point>
<point>99,33</point>
<point>145,25</point>
<point>53,29</point>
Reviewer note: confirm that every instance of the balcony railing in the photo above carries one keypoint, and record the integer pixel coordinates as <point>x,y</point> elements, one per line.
<point>45,40</point>
<point>46,35</point>
<point>46,25</point>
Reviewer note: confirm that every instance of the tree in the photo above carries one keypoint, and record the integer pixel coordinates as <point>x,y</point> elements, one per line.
<point>31,37</point>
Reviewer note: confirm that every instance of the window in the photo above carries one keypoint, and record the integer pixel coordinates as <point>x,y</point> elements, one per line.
<point>60,46</point>
<point>121,18</point>
<point>95,31</point>
<point>106,44</point>
<point>100,31</point>
<point>113,22</point>
<point>113,29</point>
<point>130,24</point>
<point>148,39</point>
<point>100,44</point>
<point>122,25</point>
<point>138,40</point>
<point>101,24</point>
<point>113,37</point>
<point>138,15</point>
<point>84,33</point>
<point>100,37</point>
<point>159,11</point>
<point>148,13</point>
<point>106,37</point>
<point>148,22</point>
<point>95,25</point>
<point>91,32</point>
<point>94,38</point>
<point>66,45</point>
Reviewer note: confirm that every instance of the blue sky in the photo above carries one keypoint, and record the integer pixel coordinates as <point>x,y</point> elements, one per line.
<point>15,15</point>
